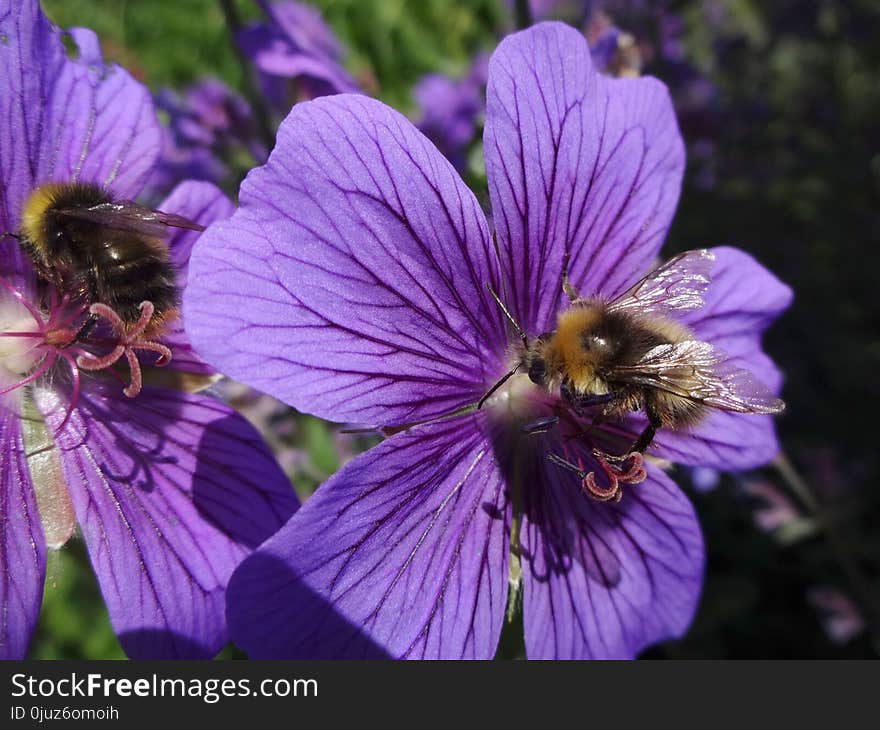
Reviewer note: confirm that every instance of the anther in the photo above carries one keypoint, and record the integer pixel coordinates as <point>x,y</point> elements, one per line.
<point>615,476</point>
<point>129,341</point>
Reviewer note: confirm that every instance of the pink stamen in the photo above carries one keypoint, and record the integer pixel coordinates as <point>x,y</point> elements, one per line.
<point>136,383</point>
<point>129,342</point>
<point>88,361</point>
<point>45,364</point>
<point>635,474</point>
<point>56,337</point>
<point>615,477</point>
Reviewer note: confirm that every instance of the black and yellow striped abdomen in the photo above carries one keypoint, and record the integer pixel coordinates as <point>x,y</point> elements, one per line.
<point>77,245</point>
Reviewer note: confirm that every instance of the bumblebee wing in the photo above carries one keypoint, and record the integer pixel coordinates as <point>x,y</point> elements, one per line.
<point>128,216</point>
<point>676,286</point>
<point>702,373</point>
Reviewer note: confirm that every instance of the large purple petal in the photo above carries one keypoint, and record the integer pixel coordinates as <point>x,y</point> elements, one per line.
<point>742,301</point>
<point>351,281</point>
<point>604,580</point>
<point>404,550</point>
<point>64,119</point>
<point>22,547</point>
<point>576,163</point>
<point>171,491</point>
<point>203,203</point>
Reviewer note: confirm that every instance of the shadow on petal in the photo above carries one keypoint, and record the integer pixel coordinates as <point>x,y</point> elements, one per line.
<point>156,644</point>
<point>238,486</point>
<point>283,592</point>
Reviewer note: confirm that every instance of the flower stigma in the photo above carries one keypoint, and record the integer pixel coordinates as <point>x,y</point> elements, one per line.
<point>537,414</point>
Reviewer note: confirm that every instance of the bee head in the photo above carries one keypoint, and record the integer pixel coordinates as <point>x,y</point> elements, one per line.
<point>534,361</point>
<point>538,370</point>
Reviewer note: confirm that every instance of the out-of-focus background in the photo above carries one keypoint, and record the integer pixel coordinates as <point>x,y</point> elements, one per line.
<point>779,104</point>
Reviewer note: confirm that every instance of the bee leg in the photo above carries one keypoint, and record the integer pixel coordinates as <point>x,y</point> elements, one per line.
<point>86,328</point>
<point>639,446</point>
<point>569,290</point>
<point>646,437</point>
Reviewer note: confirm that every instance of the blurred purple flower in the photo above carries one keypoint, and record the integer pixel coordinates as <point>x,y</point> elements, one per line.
<point>841,618</point>
<point>207,124</point>
<point>170,489</point>
<point>358,294</point>
<point>177,163</point>
<point>451,110</point>
<point>704,479</point>
<point>776,509</point>
<point>295,53</point>
<point>211,114</point>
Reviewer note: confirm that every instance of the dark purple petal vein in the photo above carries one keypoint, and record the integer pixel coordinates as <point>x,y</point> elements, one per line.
<point>404,551</point>
<point>22,547</point>
<point>171,491</point>
<point>576,163</point>
<point>351,282</point>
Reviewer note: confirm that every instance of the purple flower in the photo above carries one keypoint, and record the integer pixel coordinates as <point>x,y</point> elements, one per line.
<point>170,489</point>
<point>774,509</point>
<point>207,124</point>
<point>450,109</point>
<point>177,163</point>
<point>704,479</point>
<point>839,614</point>
<point>210,114</point>
<point>351,284</point>
<point>295,53</point>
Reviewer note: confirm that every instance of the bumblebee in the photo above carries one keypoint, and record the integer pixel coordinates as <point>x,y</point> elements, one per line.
<point>628,354</point>
<point>100,250</point>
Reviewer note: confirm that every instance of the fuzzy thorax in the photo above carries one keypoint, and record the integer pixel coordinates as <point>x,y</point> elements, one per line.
<point>575,352</point>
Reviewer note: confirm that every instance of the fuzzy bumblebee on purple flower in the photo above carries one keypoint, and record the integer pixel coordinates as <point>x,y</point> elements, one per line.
<point>169,488</point>
<point>359,282</point>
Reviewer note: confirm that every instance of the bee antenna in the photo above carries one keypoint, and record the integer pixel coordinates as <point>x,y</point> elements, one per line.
<point>504,378</point>
<point>519,330</point>
<point>11,235</point>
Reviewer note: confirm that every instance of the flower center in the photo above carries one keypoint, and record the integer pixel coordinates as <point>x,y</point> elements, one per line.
<point>33,340</point>
<point>575,434</point>
<point>20,345</point>
<point>520,400</point>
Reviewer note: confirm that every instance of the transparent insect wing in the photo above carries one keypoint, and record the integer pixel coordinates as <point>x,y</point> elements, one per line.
<point>125,215</point>
<point>676,286</point>
<point>740,391</point>
<point>701,372</point>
